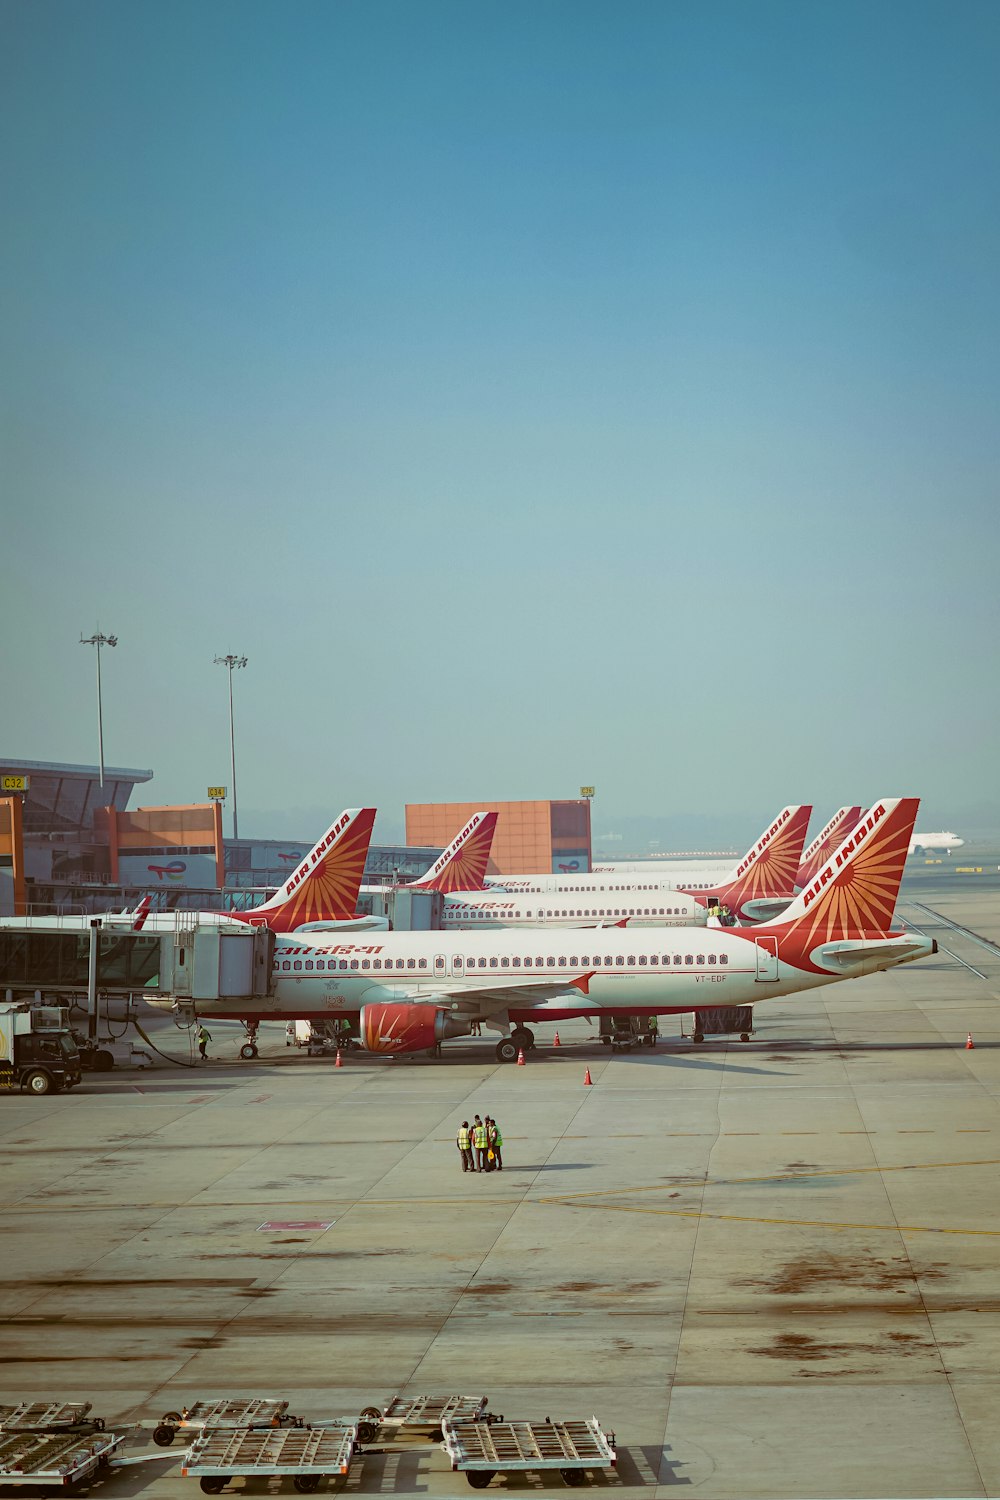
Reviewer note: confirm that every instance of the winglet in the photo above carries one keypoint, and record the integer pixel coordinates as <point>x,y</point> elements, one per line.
<point>854,894</point>
<point>825,842</point>
<point>463,864</point>
<point>769,868</point>
<point>325,886</point>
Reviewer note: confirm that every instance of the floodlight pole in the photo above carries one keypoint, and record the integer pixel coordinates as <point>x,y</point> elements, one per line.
<point>99,640</point>
<point>232,661</point>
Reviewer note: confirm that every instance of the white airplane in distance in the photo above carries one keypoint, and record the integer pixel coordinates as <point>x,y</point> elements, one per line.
<point>922,843</point>
<point>412,990</point>
<point>322,892</point>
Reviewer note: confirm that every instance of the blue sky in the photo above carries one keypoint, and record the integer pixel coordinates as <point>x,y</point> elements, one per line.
<point>537,394</point>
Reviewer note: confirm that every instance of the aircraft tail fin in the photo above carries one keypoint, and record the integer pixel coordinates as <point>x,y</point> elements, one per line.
<point>463,864</point>
<point>825,842</point>
<point>769,868</point>
<point>325,885</point>
<point>855,891</point>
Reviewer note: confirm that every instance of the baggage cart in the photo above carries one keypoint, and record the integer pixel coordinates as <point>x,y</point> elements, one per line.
<point>65,1456</point>
<point>304,1454</point>
<point>33,1416</point>
<point>481,1449</point>
<point>224,1412</point>
<point>418,1419</point>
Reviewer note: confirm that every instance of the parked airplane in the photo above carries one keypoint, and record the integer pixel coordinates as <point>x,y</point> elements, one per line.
<point>945,842</point>
<point>762,886</point>
<point>825,842</point>
<point>791,822</point>
<point>412,990</point>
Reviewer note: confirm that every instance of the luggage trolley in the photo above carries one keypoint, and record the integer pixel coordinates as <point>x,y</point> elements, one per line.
<point>226,1413</point>
<point>304,1454</point>
<point>482,1450</point>
<point>53,1444</point>
<point>418,1419</point>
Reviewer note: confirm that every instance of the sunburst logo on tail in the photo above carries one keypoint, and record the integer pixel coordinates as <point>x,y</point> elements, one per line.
<point>463,864</point>
<point>325,886</point>
<point>855,893</point>
<point>772,864</point>
<point>825,843</point>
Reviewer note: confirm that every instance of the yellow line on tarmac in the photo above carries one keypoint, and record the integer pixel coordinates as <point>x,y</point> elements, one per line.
<point>693,1213</point>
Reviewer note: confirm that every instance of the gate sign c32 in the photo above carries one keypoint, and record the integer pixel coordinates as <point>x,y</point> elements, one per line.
<point>13,783</point>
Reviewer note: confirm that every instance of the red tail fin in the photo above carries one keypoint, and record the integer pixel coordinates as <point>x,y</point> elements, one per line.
<point>325,886</point>
<point>855,892</point>
<point>771,865</point>
<point>463,864</point>
<point>825,843</point>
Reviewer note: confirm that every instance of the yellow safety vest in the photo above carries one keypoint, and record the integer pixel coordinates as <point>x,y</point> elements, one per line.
<point>479,1137</point>
<point>464,1138</point>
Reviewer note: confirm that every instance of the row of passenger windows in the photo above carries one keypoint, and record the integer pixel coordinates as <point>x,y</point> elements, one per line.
<point>630,911</point>
<point>583,961</point>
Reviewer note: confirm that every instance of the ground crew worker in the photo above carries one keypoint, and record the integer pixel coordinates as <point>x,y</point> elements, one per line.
<point>204,1037</point>
<point>652,1028</point>
<point>479,1142</point>
<point>495,1140</point>
<point>464,1142</point>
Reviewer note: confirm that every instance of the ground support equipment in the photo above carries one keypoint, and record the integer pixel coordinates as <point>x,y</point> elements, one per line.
<point>481,1450</point>
<point>303,1454</point>
<point>46,1416</point>
<point>723,1020</point>
<point>66,1455</point>
<point>410,1420</point>
<point>224,1413</point>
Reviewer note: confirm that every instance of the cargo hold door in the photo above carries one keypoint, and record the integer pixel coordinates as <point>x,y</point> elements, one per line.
<point>767,957</point>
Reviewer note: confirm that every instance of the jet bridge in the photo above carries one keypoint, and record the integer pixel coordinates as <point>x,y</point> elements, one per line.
<point>68,960</point>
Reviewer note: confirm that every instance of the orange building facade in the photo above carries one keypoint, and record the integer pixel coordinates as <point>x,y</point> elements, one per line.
<point>532,838</point>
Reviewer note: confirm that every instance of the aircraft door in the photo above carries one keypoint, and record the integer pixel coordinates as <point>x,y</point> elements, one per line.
<point>457,965</point>
<point>767,957</point>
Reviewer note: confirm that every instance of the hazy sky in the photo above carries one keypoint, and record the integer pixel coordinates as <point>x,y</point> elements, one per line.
<point>538,394</point>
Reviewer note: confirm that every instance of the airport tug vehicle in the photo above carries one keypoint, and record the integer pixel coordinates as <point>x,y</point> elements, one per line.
<point>37,1050</point>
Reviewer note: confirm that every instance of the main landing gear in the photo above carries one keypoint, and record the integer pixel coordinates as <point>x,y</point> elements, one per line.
<point>521,1039</point>
<point>249,1049</point>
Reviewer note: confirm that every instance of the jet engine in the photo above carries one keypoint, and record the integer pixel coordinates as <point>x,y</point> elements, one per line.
<point>407,1028</point>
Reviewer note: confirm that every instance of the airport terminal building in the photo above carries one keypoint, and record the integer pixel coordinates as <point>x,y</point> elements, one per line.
<point>66,845</point>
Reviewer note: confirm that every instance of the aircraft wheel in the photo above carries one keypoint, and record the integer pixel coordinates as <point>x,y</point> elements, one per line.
<point>506,1053</point>
<point>698,1037</point>
<point>248,1051</point>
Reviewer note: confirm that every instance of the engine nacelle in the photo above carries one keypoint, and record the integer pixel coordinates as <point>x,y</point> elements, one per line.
<point>407,1028</point>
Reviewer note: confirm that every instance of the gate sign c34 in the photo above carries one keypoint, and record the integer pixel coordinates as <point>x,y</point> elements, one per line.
<point>217,793</point>
<point>14,783</point>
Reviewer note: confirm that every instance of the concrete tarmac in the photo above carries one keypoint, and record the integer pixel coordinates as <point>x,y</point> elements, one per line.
<point>771,1269</point>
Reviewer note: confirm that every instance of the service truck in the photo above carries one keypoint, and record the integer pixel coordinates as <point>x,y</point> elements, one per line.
<point>37,1050</point>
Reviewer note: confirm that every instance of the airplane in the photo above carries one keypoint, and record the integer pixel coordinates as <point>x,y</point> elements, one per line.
<point>764,883</point>
<point>825,842</point>
<point>413,990</point>
<point>922,843</point>
<point>320,893</point>
<point>764,876</point>
<point>460,867</point>
<point>790,822</point>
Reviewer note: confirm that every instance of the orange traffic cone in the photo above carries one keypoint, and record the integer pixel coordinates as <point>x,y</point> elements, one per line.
<point>970,1045</point>
<point>555,1040</point>
<point>520,1058</point>
<point>587,1080</point>
<point>338,1063</point>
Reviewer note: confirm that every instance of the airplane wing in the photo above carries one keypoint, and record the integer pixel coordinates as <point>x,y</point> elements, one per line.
<point>479,999</point>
